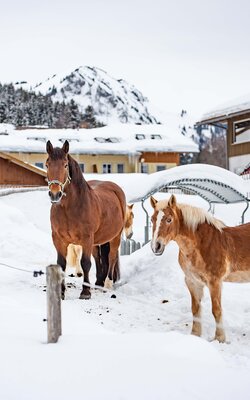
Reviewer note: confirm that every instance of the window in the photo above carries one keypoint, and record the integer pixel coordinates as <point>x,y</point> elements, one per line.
<point>41,139</point>
<point>120,168</point>
<point>139,136</point>
<point>39,164</point>
<point>241,131</point>
<point>107,140</point>
<point>144,168</point>
<point>100,139</point>
<point>81,165</point>
<point>106,168</point>
<point>62,140</point>
<point>160,168</point>
<point>157,137</point>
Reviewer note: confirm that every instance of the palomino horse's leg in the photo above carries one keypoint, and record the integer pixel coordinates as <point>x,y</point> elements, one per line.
<point>215,293</point>
<point>196,291</point>
<point>114,269</point>
<point>62,262</point>
<point>86,264</point>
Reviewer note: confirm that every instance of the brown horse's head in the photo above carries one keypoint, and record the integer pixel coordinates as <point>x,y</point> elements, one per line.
<point>128,228</point>
<point>57,170</point>
<point>165,223</point>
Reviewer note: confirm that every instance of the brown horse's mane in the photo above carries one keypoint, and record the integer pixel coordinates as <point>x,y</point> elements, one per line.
<point>75,172</point>
<point>194,216</point>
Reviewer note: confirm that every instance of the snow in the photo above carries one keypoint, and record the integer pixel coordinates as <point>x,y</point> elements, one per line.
<point>113,100</point>
<point>83,141</point>
<point>131,347</point>
<point>233,106</point>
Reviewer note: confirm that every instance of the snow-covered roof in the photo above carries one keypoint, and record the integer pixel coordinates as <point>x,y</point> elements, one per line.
<point>214,184</point>
<point>112,139</point>
<point>235,106</point>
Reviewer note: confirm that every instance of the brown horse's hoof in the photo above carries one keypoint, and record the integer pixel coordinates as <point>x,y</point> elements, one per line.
<point>85,293</point>
<point>85,296</point>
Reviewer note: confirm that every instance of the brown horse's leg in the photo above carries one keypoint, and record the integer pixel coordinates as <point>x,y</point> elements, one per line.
<point>86,264</point>
<point>114,269</point>
<point>196,291</point>
<point>100,254</point>
<point>62,262</point>
<point>215,293</point>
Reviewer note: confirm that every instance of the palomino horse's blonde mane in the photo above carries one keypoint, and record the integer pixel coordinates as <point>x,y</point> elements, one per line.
<point>193,216</point>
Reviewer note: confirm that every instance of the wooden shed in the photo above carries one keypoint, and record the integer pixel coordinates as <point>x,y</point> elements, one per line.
<point>234,117</point>
<point>14,172</point>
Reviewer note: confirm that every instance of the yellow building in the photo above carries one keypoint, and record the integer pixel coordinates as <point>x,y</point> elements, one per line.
<point>112,149</point>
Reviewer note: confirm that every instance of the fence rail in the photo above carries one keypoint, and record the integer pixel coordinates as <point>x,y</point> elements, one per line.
<point>129,246</point>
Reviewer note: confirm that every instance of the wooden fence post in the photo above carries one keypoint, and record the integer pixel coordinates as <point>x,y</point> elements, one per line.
<point>54,322</point>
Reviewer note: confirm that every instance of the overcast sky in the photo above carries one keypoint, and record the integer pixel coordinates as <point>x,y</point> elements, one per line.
<point>181,54</point>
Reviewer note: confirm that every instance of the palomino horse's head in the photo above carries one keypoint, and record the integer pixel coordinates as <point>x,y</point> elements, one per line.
<point>57,170</point>
<point>165,223</point>
<point>128,228</point>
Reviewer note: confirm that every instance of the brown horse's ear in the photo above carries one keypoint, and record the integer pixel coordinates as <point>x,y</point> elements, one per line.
<point>130,206</point>
<point>172,201</point>
<point>49,147</point>
<point>66,147</point>
<point>153,201</point>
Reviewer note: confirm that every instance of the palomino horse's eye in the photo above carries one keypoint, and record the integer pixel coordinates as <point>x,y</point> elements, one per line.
<point>66,165</point>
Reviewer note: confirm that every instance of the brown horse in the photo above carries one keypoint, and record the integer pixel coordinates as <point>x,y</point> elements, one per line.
<point>84,214</point>
<point>74,253</point>
<point>209,253</point>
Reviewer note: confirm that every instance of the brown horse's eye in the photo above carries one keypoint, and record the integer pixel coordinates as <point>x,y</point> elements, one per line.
<point>169,220</point>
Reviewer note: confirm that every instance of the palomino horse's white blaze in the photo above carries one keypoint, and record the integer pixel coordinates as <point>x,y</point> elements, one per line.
<point>73,259</point>
<point>160,215</point>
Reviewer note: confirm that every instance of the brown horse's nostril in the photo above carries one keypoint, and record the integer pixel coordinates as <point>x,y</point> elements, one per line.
<point>55,197</point>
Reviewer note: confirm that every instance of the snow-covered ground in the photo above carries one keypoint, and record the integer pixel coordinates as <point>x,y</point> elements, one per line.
<point>134,346</point>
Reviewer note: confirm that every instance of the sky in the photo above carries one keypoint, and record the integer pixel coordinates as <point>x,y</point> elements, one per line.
<point>191,55</point>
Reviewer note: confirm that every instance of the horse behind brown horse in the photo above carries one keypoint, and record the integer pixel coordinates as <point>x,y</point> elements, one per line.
<point>209,253</point>
<point>85,214</point>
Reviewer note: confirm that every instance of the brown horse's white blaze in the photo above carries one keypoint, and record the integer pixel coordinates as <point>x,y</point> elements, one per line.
<point>84,216</point>
<point>209,253</point>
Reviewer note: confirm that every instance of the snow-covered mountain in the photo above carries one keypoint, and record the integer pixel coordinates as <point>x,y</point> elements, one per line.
<point>112,99</point>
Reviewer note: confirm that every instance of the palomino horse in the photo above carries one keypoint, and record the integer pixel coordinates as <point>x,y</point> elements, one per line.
<point>85,214</point>
<point>74,253</point>
<point>209,253</point>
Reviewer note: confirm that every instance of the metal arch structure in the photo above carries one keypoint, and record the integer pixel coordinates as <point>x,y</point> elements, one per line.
<point>213,191</point>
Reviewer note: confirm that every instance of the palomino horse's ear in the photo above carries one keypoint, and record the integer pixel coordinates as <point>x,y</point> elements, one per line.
<point>66,147</point>
<point>153,201</point>
<point>172,201</point>
<point>49,147</point>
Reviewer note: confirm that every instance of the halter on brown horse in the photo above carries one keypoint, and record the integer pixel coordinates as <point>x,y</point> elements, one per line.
<point>209,253</point>
<point>84,214</point>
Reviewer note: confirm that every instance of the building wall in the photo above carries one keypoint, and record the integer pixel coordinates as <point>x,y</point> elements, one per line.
<point>149,161</point>
<point>92,163</point>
